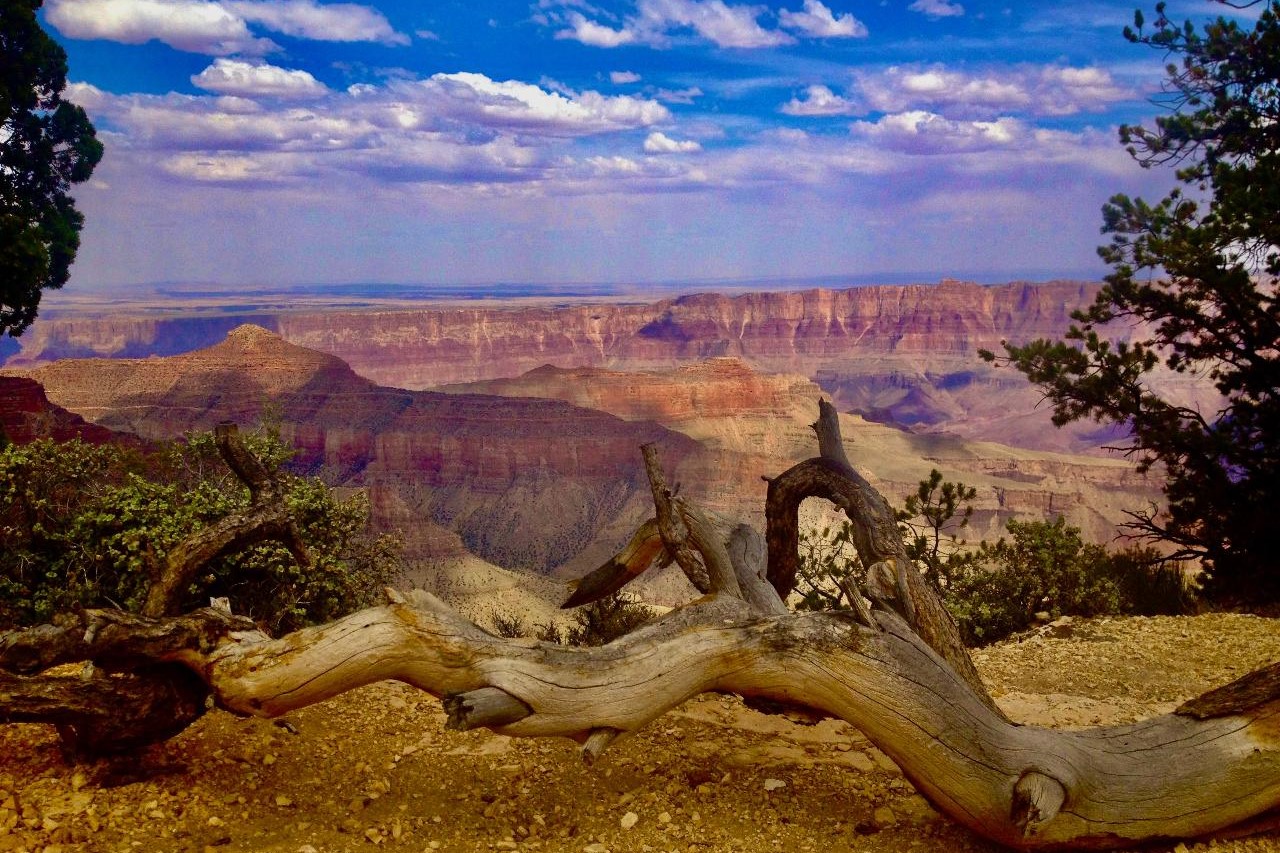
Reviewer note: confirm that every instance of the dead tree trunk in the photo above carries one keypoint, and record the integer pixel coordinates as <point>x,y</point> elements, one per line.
<point>892,667</point>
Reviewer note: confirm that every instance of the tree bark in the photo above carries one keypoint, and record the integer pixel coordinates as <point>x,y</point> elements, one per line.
<point>895,670</point>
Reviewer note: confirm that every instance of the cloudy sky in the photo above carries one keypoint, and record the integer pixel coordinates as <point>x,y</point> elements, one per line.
<point>617,141</point>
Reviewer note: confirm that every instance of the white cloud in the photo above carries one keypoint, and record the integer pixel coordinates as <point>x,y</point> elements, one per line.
<point>819,101</point>
<point>195,26</point>
<point>937,8</point>
<point>655,21</point>
<point>818,21</point>
<point>660,143</point>
<point>248,80</point>
<point>310,20</point>
<point>921,132</point>
<point>714,20</point>
<point>218,27</point>
<point>678,96</point>
<point>596,35</point>
<point>621,78</point>
<point>1038,90</point>
<point>514,105</point>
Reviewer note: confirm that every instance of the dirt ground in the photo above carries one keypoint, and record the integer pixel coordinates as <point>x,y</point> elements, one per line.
<point>375,767</point>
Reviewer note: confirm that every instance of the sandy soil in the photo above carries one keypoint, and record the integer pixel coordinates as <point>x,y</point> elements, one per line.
<point>375,768</point>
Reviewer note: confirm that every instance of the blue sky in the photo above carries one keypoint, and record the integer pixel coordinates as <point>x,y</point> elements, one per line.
<point>617,141</point>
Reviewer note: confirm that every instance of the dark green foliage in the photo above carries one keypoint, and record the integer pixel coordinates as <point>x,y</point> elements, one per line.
<point>89,526</point>
<point>997,590</point>
<point>1200,269</point>
<point>46,145</point>
<point>1046,568</point>
<point>930,519</point>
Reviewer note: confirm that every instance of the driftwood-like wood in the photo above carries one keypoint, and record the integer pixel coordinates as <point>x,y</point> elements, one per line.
<point>891,669</point>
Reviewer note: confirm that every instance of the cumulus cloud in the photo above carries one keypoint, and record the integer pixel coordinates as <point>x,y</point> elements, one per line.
<point>460,128</point>
<point>818,21</point>
<point>714,20</point>
<point>655,21</point>
<point>621,78</point>
<point>218,27</point>
<point>921,132</point>
<point>238,78</point>
<point>310,20</point>
<point>594,34</point>
<point>195,26</point>
<point>514,105</point>
<point>1039,90</point>
<point>819,101</point>
<point>937,8</point>
<point>659,143</point>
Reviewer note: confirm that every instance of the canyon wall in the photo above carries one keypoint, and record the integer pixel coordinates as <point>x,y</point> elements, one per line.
<point>904,355</point>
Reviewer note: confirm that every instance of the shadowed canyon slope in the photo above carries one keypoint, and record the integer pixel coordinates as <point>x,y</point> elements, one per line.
<point>540,477</point>
<point>898,354</point>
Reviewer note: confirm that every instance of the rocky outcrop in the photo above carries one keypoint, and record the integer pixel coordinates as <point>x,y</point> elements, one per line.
<point>26,415</point>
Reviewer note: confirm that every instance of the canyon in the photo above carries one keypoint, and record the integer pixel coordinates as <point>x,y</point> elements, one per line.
<point>904,355</point>
<point>539,474</point>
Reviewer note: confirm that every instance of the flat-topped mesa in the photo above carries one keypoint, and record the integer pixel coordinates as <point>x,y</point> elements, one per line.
<point>784,331</point>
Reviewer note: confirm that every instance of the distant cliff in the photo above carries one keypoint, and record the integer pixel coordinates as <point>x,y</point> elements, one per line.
<point>901,355</point>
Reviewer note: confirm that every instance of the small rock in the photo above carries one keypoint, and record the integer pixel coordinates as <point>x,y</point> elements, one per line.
<point>774,784</point>
<point>664,818</point>
<point>883,817</point>
<point>597,847</point>
<point>629,820</point>
<point>283,802</point>
<point>307,848</point>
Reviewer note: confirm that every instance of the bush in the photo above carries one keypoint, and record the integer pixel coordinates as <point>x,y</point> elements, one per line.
<point>90,526</point>
<point>997,590</point>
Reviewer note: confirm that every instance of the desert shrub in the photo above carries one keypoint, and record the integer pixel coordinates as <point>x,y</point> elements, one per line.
<point>90,526</point>
<point>828,562</point>
<point>1045,567</point>
<point>509,626</point>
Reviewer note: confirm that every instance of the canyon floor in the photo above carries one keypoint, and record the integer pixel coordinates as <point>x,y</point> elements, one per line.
<point>375,767</point>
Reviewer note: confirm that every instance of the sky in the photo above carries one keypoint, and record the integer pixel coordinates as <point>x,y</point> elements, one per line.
<point>286,142</point>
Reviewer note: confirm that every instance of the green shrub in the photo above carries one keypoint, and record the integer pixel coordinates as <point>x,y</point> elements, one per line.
<point>997,590</point>
<point>828,563</point>
<point>90,526</point>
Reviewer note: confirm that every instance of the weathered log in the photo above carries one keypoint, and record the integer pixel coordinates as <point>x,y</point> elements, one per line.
<point>1171,776</point>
